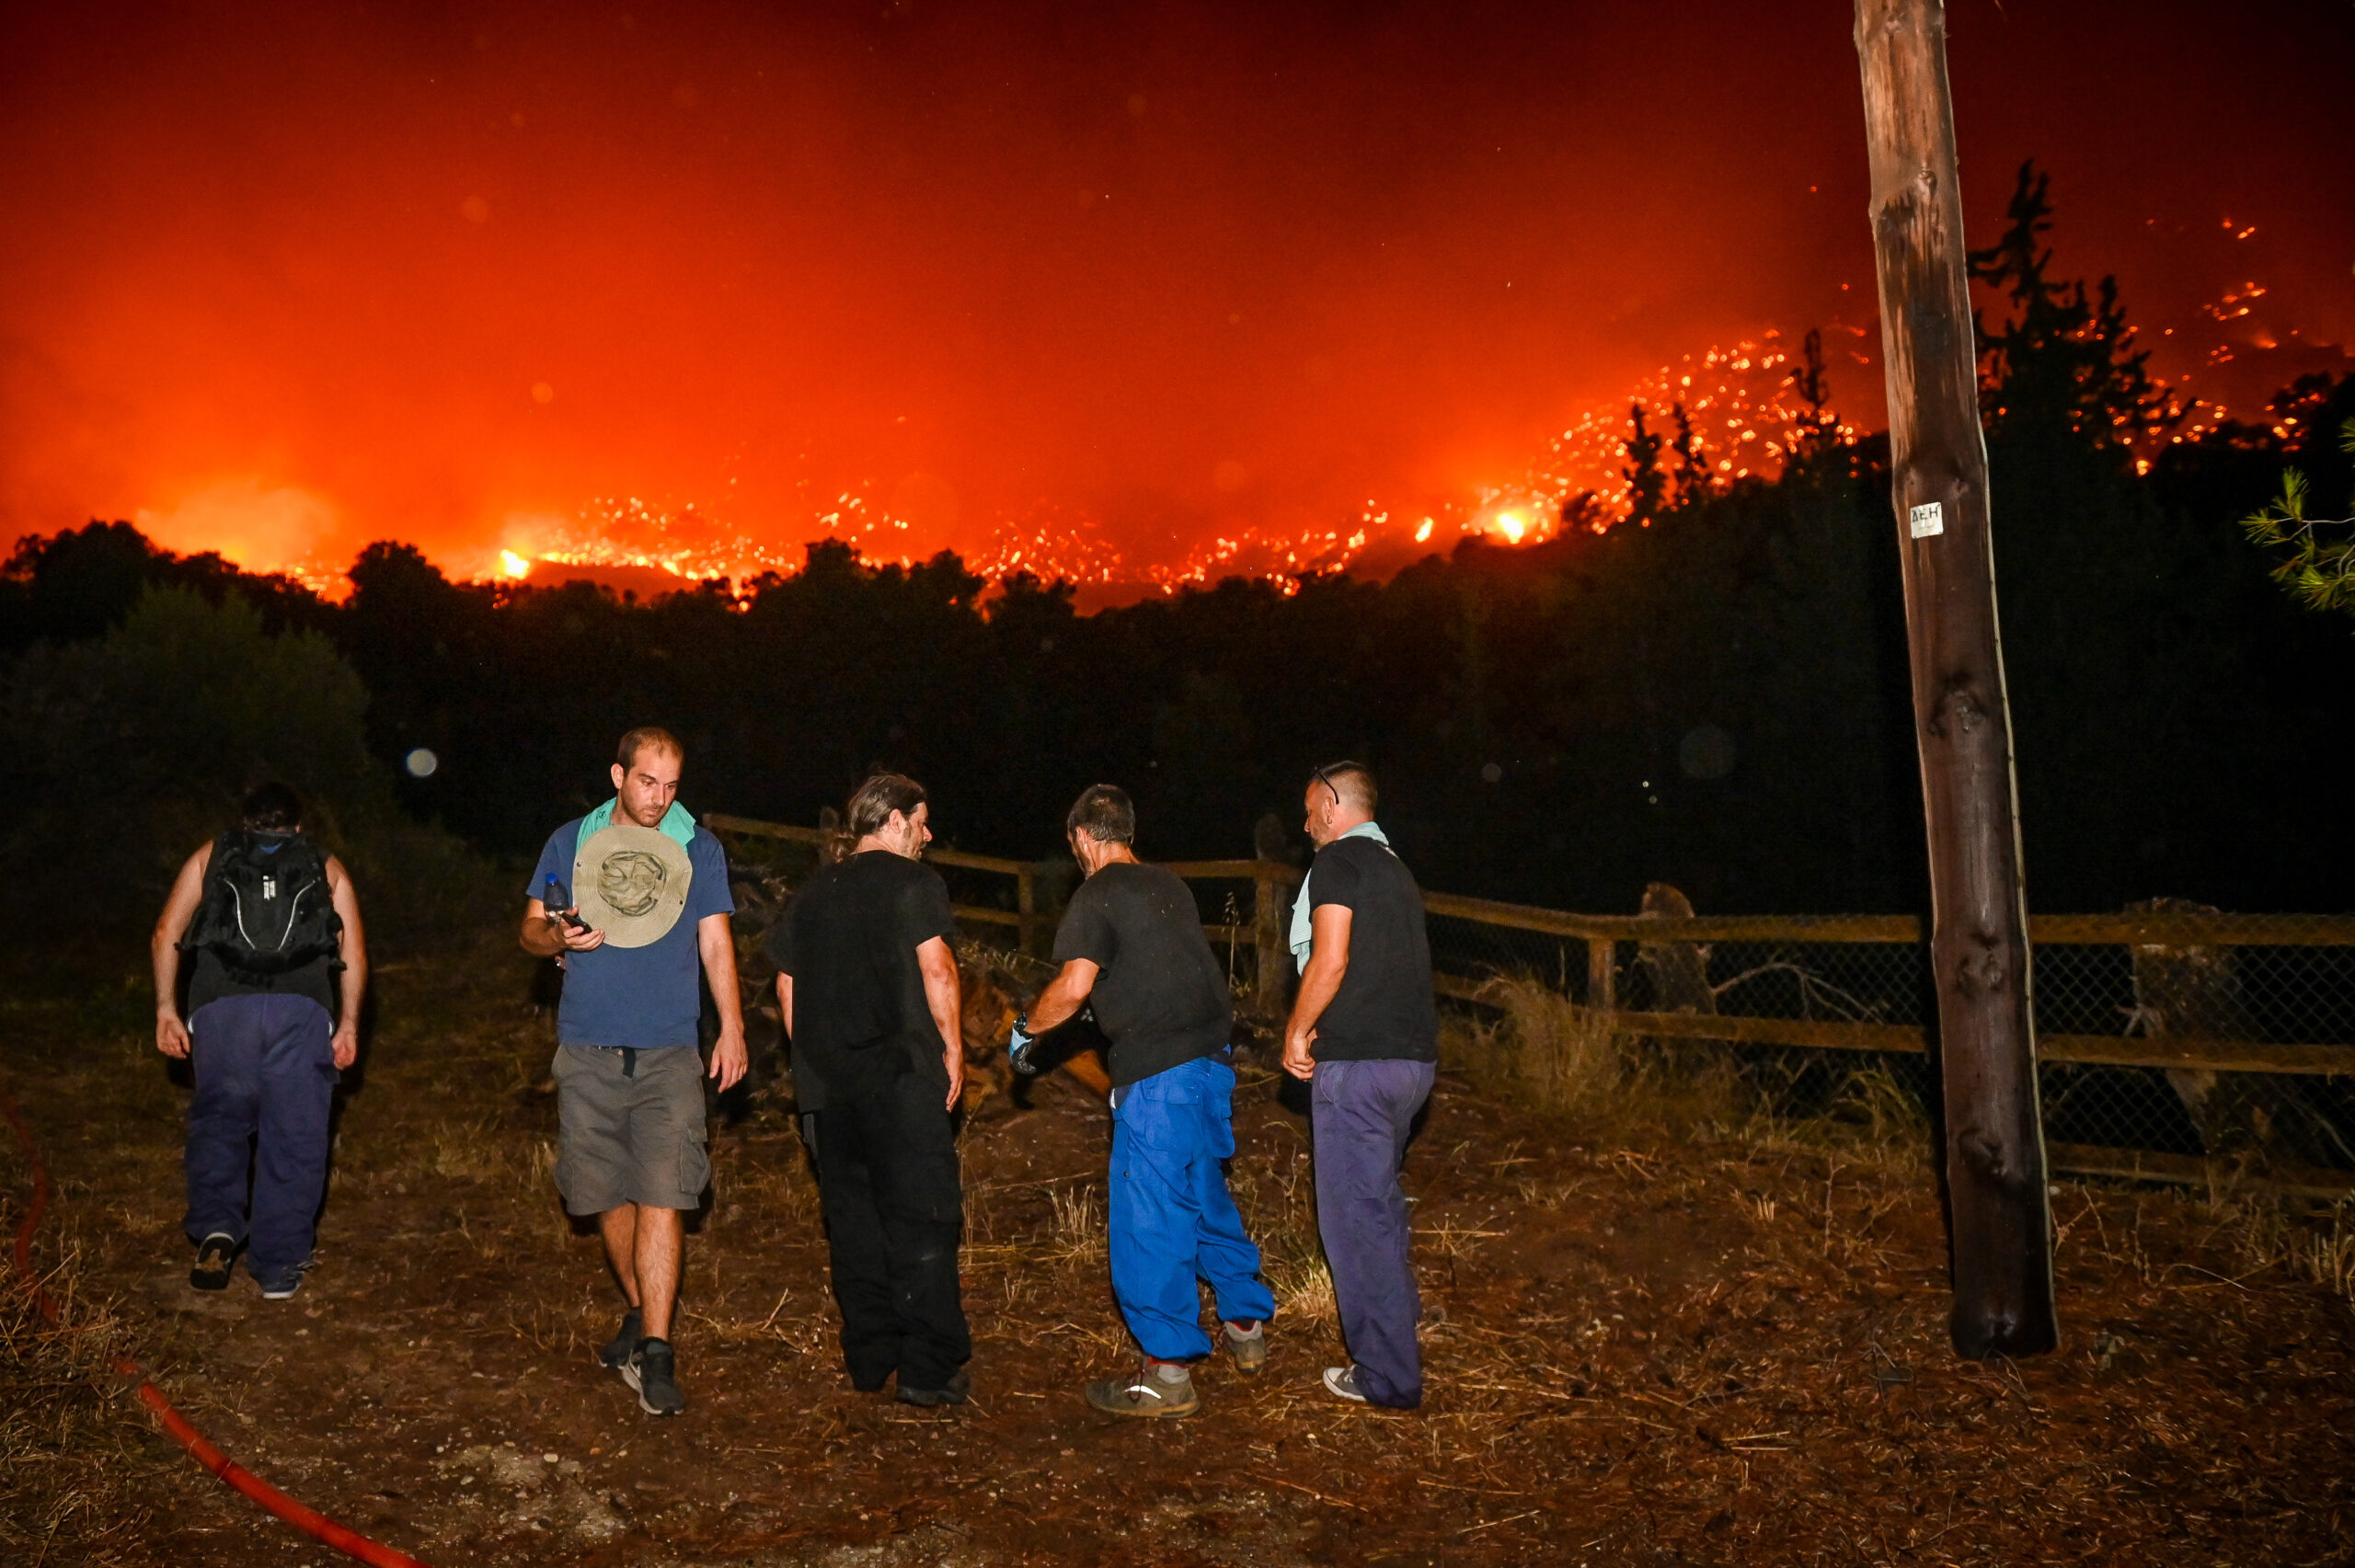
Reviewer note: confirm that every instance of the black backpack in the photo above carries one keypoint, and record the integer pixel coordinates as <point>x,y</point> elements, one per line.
<point>267,909</point>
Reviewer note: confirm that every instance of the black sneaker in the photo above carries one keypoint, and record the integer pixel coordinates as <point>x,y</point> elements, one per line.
<point>958,1390</point>
<point>213,1258</point>
<point>653,1370</point>
<point>1342,1382</point>
<point>616,1352</point>
<point>277,1284</point>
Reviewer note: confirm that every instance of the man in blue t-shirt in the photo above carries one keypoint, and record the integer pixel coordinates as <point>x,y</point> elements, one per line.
<point>633,901</point>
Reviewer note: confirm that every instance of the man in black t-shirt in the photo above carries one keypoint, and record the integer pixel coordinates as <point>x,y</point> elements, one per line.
<point>870,995</point>
<point>1132,946</point>
<point>1364,1032</point>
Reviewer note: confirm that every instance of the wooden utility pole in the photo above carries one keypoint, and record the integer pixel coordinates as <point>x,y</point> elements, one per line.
<point>1999,1221</point>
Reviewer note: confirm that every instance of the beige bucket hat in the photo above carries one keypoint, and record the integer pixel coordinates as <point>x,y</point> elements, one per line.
<point>631,883</point>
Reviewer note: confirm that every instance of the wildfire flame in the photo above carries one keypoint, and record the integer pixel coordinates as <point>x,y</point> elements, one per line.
<point>1738,413</point>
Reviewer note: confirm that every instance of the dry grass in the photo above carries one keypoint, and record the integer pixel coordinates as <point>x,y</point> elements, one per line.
<point>1278,1212</point>
<point>1542,1047</point>
<point>70,1476</point>
<point>1077,1232</point>
<point>1691,1325</point>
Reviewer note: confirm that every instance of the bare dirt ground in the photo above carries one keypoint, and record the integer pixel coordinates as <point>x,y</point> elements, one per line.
<point>1643,1347</point>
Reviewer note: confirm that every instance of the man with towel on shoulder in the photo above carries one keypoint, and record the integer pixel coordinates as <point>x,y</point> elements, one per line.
<point>633,900</point>
<point>1364,1034</point>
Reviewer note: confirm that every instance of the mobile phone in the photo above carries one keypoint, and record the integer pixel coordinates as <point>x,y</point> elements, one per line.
<point>559,904</point>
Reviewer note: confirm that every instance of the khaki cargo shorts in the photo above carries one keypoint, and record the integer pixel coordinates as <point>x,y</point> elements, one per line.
<point>630,1132</point>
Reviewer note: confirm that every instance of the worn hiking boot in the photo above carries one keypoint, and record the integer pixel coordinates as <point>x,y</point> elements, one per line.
<point>1343,1382</point>
<point>213,1258</point>
<point>1160,1388</point>
<point>958,1389</point>
<point>653,1370</point>
<point>1250,1350</point>
<point>616,1354</point>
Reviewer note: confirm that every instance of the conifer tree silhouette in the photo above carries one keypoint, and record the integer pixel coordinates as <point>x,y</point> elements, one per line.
<point>1647,484</point>
<point>2062,361</point>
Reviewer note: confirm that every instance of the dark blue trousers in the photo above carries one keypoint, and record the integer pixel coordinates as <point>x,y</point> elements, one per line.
<point>265,1079</point>
<point>1359,1114</point>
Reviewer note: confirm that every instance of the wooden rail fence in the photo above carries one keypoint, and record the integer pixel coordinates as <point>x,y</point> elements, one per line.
<point>1266,935</point>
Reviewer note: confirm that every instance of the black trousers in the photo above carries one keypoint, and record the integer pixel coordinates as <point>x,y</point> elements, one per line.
<point>887,1185</point>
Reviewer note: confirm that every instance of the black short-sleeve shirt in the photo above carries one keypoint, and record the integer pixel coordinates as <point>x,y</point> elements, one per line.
<point>1383,1010</point>
<point>1160,996</point>
<point>849,940</point>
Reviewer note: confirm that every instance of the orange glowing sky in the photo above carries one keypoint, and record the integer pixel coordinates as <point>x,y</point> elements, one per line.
<point>1131,280</point>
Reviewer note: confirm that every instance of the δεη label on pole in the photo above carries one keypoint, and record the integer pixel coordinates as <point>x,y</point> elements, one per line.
<point>1929,518</point>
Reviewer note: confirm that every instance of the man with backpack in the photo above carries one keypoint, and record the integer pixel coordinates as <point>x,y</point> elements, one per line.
<point>277,969</point>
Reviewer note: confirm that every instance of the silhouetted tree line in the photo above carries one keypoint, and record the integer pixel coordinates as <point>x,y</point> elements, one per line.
<point>1717,700</point>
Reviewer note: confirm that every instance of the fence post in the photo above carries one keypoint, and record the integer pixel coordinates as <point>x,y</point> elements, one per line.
<point>1601,974</point>
<point>1026,904</point>
<point>1272,955</point>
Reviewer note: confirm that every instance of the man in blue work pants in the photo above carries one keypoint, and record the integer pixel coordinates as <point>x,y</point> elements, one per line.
<point>1172,1219</point>
<point>1131,948</point>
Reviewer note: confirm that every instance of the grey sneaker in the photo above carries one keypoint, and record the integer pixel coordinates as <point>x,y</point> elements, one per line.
<point>616,1352</point>
<point>1343,1382</point>
<point>653,1370</point>
<point>214,1259</point>
<point>1151,1393</point>
<point>277,1284</point>
<point>1250,1350</point>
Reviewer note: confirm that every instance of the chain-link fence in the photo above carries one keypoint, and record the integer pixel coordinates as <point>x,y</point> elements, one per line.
<point>2168,1034</point>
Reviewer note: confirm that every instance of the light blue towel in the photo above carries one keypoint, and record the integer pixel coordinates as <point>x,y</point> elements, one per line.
<point>676,825</point>
<point>1302,938</point>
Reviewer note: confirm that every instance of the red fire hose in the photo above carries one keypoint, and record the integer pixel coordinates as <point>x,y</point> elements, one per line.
<point>315,1524</point>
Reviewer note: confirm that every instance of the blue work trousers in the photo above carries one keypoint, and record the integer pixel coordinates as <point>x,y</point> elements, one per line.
<point>1172,1219</point>
<point>1361,1113</point>
<point>265,1080</point>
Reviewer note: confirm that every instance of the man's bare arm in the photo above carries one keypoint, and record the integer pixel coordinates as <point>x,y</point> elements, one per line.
<point>718,944</point>
<point>355,963</point>
<point>1064,995</point>
<point>944,994</point>
<point>785,1002</point>
<point>164,953</point>
<point>1328,960</point>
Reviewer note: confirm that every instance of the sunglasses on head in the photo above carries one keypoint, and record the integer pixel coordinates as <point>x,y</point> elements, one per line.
<point>1324,776</point>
